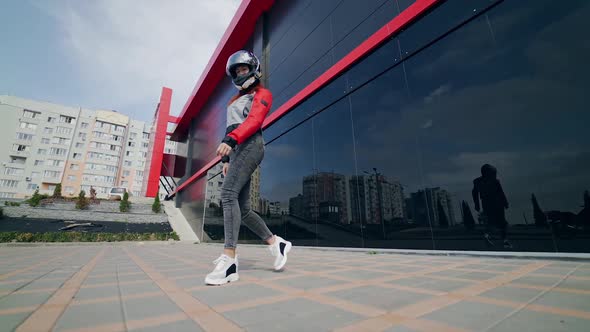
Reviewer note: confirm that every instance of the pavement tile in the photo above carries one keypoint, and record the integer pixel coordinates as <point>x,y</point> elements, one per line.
<point>213,296</point>
<point>308,282</point>
<point>537,280</point>
<point>541,322</point>
<point>180,326</point>
<point>24,300</point>
<point>143,287</point>
<point>399,329</point>
<point>11,322</point>
<point>512,294</point>
<point>563,300</point>
<point>378,297</point>
<point>88,315</point>
<point>136,309</point>
<point>469,315</point>
<point>97,292</point>
<point>290,315</point>
<point>478,276</point>
<point>363,275</point>
<point>577,284</point>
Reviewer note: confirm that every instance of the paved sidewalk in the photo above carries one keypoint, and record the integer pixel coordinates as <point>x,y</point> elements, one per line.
<point>159,287</point>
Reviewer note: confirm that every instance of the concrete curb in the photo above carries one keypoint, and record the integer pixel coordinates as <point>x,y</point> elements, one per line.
<point>457,253</point>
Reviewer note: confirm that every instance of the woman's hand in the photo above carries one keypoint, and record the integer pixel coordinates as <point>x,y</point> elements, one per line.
<point>225,168</point>
<point>223,150</point>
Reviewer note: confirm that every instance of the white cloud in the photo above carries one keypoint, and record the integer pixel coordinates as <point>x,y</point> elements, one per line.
<point>127,50</point>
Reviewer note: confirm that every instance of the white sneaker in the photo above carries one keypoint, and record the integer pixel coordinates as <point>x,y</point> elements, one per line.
<point>226,270</point>
<point>279,250</point>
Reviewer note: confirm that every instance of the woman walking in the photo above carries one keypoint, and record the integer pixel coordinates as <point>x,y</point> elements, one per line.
<point>242,151</point>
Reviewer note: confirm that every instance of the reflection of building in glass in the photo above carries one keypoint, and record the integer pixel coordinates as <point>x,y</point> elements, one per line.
<point>213,194</point>
<point>297,206</point>
<point>326,196</point>
<point>374,199</point>
<point>423,207</point>
<point>274,208</point>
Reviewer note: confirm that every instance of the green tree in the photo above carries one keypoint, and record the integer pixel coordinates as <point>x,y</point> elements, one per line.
<point>125,205</point>
<point>82,202</point>
<point>156,206</point>
<point>35,199</point>
<point>57,191</point>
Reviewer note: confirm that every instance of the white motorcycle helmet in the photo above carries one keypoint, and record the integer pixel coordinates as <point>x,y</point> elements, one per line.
<point>247,58</point>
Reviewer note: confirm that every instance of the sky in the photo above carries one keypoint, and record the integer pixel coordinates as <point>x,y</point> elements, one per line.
<point>109,54</point>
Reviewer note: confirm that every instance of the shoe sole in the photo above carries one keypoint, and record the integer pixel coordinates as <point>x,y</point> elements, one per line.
<point>284,260</point>
<point>230,278</point>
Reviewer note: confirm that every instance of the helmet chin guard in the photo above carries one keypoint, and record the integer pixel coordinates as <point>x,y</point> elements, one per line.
<point>245,58</point>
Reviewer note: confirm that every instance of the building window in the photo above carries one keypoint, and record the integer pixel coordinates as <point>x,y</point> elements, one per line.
<point>21,148</point>
<point>51,187</point>
<point>56,162</point>
<point>24,137</point>
<point>34,175</point>
<point>51,119</point>
<point>7,195</point>
<point>139,174</point>
<point>57,152</point>
<point>27,125</point>
<point>79,145</point>
<point>45,141</point>
<point>116,138</point>
<point>84,125</point>
<point>129,153</point>
<point>32,186</point>
<point>133,136</point>
<point>70,189</point>
<point>74,167</point>
<point>13,171</point>
<point>8,183</point>
<point>39,162</point>
<point>61,141</point>
<point>124,183</point>
<point>126,173</point>
<point>82,136</point>
<point>146,135</point>
<point>48,130</point>
<point>131,144</point>
<point>42,151</point>
<point>144,145</point>
<point>71,177</point>
<point>128,163</point>
<point>66,119</point>
<point>77,156</point>
<point>63,130</point>
<point>51,174</point>
<point>30,114</point>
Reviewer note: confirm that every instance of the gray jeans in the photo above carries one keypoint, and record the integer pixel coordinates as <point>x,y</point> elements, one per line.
<point>235,192</point>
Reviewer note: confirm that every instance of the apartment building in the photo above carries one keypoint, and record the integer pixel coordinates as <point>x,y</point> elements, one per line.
<point>44,144</point>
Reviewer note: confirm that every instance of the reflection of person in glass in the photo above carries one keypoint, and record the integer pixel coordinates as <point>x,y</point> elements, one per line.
<point>244,144</point>
<point>487,187</point>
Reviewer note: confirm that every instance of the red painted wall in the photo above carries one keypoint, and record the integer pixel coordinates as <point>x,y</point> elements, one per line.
<point>159,141</point>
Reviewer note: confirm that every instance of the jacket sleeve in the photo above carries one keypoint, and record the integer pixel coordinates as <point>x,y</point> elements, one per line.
<point>260,106</point>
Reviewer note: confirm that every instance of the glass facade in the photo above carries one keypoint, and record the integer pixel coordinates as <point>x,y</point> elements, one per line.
<point>399,151</point>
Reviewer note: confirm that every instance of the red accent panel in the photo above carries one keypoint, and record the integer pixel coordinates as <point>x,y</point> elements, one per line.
<point>159,139</point>
<point>174,119</point>
<point>233,40</point>
<point>392,27</point>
